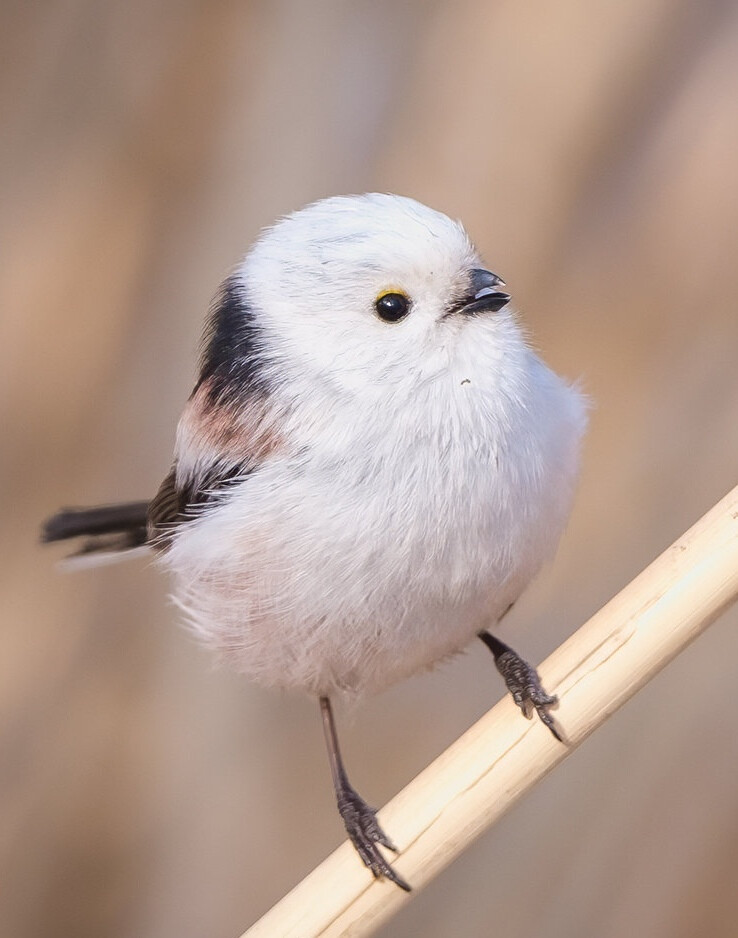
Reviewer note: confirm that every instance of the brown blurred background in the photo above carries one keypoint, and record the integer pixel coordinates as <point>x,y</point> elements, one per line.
<point>592,151</point>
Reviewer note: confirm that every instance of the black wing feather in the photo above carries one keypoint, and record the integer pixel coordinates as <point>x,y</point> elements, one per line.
<point>177,504</point>
<point>232,368</point>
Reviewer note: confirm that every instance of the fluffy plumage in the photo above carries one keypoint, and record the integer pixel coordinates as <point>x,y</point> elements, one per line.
<point>359,486</point>
<point>353,500</point>
<point>402,482</point>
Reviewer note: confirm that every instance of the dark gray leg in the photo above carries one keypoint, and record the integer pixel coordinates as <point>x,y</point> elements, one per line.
<point>522,681</point>
<point>360,820</point>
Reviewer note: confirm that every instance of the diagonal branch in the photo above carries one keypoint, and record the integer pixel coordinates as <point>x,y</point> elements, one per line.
<point>495,762</point>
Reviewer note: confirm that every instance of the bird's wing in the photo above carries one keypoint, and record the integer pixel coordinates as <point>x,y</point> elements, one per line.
<point>218,445</point>
<point>229,426</point>
<point>179,501</point>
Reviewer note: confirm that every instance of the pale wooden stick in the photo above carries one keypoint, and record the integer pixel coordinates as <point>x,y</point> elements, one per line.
<point>485,771</point>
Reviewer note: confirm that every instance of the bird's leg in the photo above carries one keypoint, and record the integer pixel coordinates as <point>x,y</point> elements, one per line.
<point>360,820</point>
<point>522,681</point>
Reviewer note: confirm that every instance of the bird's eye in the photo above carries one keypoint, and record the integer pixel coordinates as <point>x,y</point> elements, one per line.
<point>392,307</point>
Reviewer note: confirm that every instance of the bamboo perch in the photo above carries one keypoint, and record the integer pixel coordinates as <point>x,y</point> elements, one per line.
<point>496,761</point>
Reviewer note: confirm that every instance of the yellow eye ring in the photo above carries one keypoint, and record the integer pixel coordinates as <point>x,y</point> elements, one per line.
<point>392,305</point>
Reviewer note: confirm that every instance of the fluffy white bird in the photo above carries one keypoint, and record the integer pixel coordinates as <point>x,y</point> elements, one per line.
<point>371,468</point>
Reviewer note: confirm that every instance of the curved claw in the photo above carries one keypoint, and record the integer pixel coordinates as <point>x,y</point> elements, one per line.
<point>365,833</point>
<point>523,682</point>
<point>545,717</point>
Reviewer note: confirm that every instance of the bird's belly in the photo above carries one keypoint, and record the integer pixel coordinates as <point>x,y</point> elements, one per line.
<point>325,588</point>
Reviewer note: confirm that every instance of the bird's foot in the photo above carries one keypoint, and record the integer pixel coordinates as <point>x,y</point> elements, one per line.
<point>365,834</point>
<point>523,682</point>
<point>527,691</point>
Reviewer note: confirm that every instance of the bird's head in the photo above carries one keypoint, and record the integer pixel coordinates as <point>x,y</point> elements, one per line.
<point>360,291</point>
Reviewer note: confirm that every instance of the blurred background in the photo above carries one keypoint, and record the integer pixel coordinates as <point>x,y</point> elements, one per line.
<point>592,151</point>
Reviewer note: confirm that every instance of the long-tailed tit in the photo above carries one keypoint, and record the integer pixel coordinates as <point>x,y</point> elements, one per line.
<point>371,468</point>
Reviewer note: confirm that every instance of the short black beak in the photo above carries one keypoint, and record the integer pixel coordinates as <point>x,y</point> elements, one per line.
<point>484,295</point>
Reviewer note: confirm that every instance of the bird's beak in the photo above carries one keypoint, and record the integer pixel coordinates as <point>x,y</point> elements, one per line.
<point>484,294</point>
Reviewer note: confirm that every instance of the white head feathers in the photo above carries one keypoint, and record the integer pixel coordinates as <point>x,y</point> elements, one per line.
<point>315,276</point>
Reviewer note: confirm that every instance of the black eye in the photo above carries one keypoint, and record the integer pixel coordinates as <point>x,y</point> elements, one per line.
<point>392,307</point>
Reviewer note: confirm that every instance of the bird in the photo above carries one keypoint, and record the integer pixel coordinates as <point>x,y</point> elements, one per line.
<point>372,466</point>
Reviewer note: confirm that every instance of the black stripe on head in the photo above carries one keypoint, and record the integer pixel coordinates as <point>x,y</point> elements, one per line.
<point>233,359</point>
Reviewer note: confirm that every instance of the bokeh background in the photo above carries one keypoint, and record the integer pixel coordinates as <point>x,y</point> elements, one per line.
<point>592,150</point>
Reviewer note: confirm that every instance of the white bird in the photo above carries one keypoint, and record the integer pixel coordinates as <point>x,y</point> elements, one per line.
<point>371,468</point>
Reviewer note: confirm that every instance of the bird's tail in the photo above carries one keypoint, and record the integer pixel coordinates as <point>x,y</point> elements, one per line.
<point>108,531</point>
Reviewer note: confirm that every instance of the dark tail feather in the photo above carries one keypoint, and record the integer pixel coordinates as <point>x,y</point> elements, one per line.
<point>107,528</point>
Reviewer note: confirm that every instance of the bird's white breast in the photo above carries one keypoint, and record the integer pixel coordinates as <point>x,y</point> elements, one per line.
<point>391,532</point>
